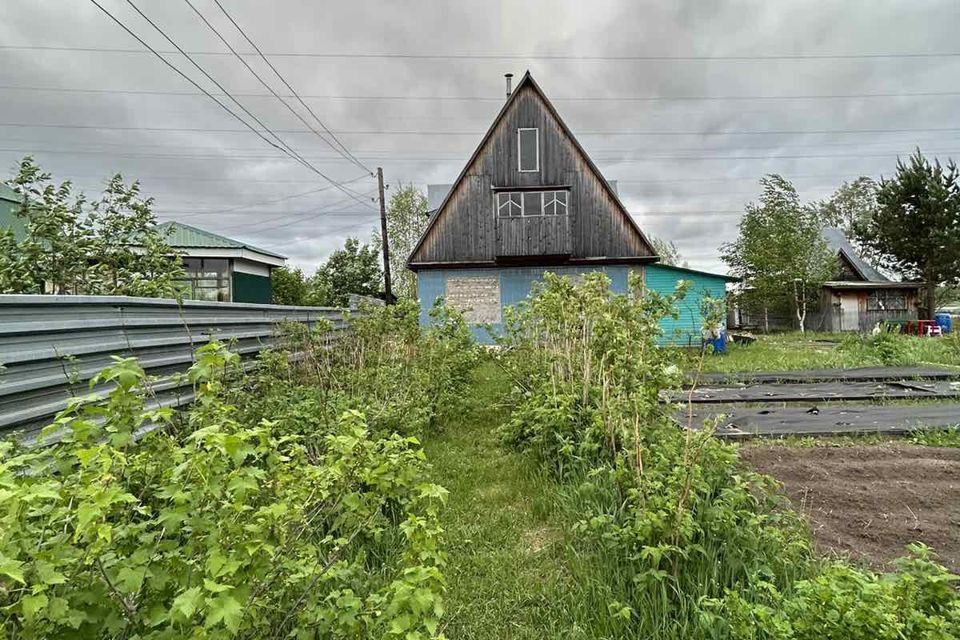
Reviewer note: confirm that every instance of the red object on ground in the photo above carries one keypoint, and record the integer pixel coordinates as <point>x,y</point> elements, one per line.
<point>920,328</point>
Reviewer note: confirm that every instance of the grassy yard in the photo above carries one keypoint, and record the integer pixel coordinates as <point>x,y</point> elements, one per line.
<point>791,351</point>
<point>511,573</point>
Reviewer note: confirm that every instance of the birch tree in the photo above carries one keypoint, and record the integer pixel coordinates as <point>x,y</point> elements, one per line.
<point>780,252</point>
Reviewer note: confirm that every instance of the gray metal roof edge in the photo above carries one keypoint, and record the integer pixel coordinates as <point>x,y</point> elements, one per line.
<point>699,272</point>
<point>838,243</point>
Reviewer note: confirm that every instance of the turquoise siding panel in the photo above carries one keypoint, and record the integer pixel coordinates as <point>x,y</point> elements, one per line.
<point>685,330</point>
<point>516,284</point>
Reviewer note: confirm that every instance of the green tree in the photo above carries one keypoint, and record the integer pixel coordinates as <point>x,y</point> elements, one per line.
<point>406,220</point>
<point>780,252</point>
<point>290,287</point>
<point>668,252</point>
<point>354,269</point>
<point>59,240</point>
<point>916,228</point>
<point>15,269</point>
<point>851,205</point>
<point>129,252</point>
<point>111,247</point>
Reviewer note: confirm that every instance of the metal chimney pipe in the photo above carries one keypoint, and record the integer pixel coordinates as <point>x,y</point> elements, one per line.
<point>509,77</point>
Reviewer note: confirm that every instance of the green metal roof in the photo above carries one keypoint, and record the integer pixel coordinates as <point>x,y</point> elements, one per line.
<point>9,202</point>
<point>6,193</point>
<point>185,236</point>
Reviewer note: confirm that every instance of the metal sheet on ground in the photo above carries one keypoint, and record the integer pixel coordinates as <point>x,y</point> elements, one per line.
<point>813,421</point>
<point>821,392</point>
<point>862,374</point>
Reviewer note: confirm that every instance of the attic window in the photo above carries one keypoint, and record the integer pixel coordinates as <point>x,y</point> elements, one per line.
<point>528,149</point>
<point>513,204</point>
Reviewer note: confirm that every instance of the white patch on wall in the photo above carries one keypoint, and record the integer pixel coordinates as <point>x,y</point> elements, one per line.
<point>477,297</point>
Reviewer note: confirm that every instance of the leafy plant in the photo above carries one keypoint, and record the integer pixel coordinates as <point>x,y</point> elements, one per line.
<point>219,523</point>
<point>918,601</point>
<point>110,247</point>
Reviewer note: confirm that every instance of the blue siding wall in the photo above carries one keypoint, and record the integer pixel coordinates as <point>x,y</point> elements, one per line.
<point>517,282</point>
<point>685,330</point>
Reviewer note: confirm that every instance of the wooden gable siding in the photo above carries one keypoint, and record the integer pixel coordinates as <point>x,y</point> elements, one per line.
<point>847,270</point>
<point>466,229</point>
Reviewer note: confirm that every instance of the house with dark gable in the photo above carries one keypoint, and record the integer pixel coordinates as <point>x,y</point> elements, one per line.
<point>530,200</point>
<point>860,296</point>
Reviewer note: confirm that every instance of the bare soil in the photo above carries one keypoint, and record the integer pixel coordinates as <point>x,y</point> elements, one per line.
<point>869,502</point>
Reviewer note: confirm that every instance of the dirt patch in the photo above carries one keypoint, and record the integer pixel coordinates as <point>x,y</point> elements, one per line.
<point>869,502</point>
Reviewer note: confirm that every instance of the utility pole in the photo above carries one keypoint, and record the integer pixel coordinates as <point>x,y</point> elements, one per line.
<point>388,294</point>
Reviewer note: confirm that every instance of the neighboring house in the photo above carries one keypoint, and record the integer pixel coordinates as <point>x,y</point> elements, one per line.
<point>860,296</point>
<point>221,269</point>
<point>528,201</point>
<point>218,268</point>
<point>9,203</point>
<point>856,299</point>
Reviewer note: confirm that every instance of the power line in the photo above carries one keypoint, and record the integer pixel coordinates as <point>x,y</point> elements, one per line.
<point>289,87</point>
<point>628,158</point>
<point>234,209</point>
<point>152,92</point>
<point>479,133</point>
<point>256,75</point>
<point>530,56</point>
<point>197,85</point>
<point>283,145</point>
<point>374,154</point>
<point>312,214</point>
<point>186,77</point>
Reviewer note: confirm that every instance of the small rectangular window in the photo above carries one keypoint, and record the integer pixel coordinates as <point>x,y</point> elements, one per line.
<point>532,203</point>
<point>528,149</point>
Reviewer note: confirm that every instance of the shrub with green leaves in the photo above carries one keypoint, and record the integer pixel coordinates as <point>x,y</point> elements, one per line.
<point>215,525</point>
<point>672,507</point>
<point>686,539</point>
<point>402,378</point>
<point>917,601</point>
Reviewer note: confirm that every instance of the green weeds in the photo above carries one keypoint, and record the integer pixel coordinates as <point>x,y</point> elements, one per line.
<point>680,540</point>
<point>291,502</point>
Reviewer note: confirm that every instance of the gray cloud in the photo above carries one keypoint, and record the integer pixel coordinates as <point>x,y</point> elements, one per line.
<point>682,188</point>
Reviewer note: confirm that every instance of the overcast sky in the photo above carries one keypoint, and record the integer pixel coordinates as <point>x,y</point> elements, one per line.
<point>411,86</point>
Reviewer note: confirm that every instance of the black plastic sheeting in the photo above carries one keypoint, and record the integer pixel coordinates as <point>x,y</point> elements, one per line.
<point>832,420</point>
<point>863,374</point>
<point>821,392</point>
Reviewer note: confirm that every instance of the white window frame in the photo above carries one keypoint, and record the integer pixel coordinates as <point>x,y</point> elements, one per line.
<point>546,197</point>
<point>552,198</point>
<point>519,157</point>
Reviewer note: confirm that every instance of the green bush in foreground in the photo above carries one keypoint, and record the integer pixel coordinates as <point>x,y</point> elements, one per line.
<point>676,535</point>
<point>222,523</point>
<point>918,601</point>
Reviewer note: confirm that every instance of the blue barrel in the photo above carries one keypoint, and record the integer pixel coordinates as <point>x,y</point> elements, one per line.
<point>944,321</point>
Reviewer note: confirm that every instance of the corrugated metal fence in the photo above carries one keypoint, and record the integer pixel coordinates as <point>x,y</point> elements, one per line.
<point>51,346</point>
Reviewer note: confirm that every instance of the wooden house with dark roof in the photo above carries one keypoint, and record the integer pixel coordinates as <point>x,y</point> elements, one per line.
<point>530,200</point>
<point>859,296</point>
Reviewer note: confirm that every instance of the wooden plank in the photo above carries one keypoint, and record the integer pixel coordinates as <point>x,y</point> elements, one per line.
<point>835,420</point>
<point>878,374</point>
